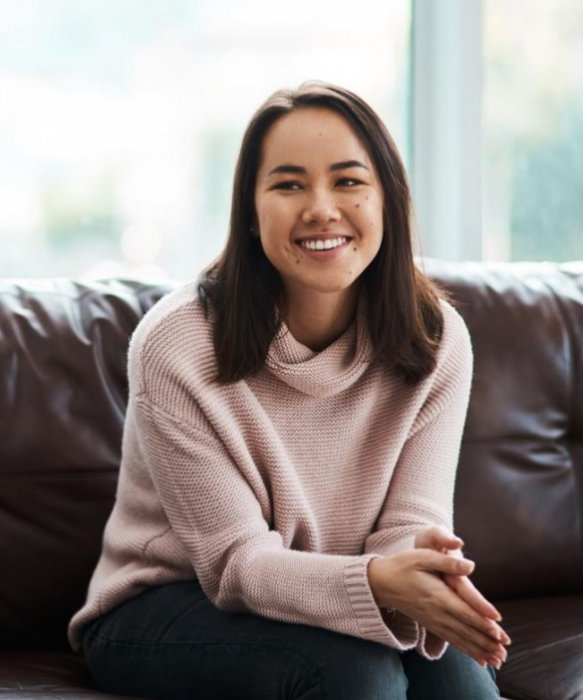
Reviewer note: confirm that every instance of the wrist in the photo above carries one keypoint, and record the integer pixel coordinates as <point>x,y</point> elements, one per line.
<point>374,579</point>
<point>371,575</point>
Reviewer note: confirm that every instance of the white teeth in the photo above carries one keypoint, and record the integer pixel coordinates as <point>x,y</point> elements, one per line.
<point>328,244</point>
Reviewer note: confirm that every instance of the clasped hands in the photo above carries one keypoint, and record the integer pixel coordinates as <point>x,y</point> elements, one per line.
<point>430,584</point>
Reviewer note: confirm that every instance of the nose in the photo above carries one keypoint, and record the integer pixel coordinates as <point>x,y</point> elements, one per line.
<point>320,208</point>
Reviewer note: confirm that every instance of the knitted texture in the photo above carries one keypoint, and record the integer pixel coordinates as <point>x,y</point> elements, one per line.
<point>277,491</point>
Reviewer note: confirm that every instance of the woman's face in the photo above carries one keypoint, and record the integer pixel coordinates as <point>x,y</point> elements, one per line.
<point>318,202</point>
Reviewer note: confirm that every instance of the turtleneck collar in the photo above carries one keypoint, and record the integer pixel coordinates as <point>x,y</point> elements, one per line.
<point>324,373</point>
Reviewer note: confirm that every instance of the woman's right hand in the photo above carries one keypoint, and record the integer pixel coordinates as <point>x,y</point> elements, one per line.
<point>411,583</point>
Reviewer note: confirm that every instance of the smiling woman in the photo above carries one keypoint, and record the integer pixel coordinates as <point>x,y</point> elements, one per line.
<point>320,220</point>
<point>282,526</point>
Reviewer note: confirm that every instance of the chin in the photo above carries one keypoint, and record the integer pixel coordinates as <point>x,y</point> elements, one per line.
<point>332,288</point>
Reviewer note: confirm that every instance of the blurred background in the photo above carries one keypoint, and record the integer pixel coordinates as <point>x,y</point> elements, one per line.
<point>120,121</point>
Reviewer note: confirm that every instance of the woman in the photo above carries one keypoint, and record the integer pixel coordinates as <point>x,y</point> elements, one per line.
<point>283,514</point>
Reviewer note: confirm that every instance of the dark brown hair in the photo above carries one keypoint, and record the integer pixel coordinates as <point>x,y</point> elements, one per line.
<point>244,289</point>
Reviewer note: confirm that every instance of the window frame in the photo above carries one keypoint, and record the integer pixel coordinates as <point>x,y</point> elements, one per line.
<point>445,127</point>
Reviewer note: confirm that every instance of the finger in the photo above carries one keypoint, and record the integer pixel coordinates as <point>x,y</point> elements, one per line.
<point>479,648</point>
<point>429,560</point>
<point>473,626</point>
<point>466,617</point>
<point>481,645</point>
<point>480,655</point>
<point>470,594</point>
<point>441,537</point>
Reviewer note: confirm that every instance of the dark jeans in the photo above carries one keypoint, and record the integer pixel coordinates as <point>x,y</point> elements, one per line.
<point>171,642</point>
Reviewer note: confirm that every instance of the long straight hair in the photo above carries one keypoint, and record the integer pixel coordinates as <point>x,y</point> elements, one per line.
<point>244,290</point>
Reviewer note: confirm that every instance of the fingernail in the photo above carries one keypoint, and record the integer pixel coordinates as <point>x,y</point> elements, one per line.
<point>496,663</point>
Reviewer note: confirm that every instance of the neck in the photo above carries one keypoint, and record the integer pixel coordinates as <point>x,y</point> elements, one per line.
<point>317,319</point>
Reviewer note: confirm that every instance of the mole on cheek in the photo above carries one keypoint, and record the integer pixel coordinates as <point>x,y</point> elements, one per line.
<point>354,249</point>
<point>357,205</point>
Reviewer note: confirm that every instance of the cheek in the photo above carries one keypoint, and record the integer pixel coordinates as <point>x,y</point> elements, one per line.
<point>270,217</point>
<point>276,227</point>
<point>274,232</point>
<point>369,213</point>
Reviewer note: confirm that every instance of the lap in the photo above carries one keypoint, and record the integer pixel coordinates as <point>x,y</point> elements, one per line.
<point>172,642</point>
<point>455,676</point>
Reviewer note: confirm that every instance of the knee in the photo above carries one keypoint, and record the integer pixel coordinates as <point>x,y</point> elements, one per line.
<point>453,677</point>
<point>351,669</point>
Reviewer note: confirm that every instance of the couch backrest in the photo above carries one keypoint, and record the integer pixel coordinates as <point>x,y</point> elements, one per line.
<point>62,405</point>
<point>519,498</point>
<point>519,493</point>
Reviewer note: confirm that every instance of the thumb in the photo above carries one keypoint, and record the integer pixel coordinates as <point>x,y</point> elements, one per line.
<point>445,539</point>
<point>444,564</point>
<point>439,538</point>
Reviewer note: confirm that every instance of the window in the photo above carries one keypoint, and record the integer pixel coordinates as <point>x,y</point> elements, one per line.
<point>533,130</point>
<point>121,119</point>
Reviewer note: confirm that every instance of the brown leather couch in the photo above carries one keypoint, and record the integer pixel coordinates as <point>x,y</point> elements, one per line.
<point>519,500</point>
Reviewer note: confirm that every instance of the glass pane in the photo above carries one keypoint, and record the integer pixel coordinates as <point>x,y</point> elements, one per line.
<point>533,130</point>
<point>121,119</point>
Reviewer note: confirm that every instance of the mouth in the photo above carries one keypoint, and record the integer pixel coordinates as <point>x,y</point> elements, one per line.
<point>318,243</point>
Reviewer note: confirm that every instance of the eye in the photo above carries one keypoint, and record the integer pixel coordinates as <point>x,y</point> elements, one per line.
<point>288,185</point>
<point>348,182</point>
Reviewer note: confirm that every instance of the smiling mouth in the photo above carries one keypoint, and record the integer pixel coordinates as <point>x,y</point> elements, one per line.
<point>323,244</point>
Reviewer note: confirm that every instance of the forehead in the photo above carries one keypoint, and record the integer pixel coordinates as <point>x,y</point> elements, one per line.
<point>310,134</point>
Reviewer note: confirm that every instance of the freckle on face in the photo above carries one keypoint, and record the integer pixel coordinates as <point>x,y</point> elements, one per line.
<point>357,206</point>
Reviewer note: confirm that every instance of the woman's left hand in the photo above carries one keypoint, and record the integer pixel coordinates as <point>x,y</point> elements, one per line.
<point>440,539</point>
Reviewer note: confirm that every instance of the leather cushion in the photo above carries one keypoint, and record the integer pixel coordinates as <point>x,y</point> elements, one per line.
<point>63,348</point>
<point>35,674</point>
<point>545,659</point>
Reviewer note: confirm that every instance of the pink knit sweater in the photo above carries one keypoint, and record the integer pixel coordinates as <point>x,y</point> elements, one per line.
<point>277,491</point>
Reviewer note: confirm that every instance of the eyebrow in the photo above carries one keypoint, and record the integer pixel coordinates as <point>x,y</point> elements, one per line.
<point>300,170</point>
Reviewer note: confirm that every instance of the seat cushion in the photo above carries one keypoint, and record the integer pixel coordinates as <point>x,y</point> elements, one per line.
<point>35,675</point>
<point>38,674</point>
<point>545,659</point>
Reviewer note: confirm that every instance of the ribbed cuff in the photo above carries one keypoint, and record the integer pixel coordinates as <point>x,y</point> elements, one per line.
<point>430,646</point>
<point>397,631</point>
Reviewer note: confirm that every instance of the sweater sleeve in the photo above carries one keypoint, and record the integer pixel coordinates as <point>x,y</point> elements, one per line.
<point>422,487</point>
<point>241,563</point>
